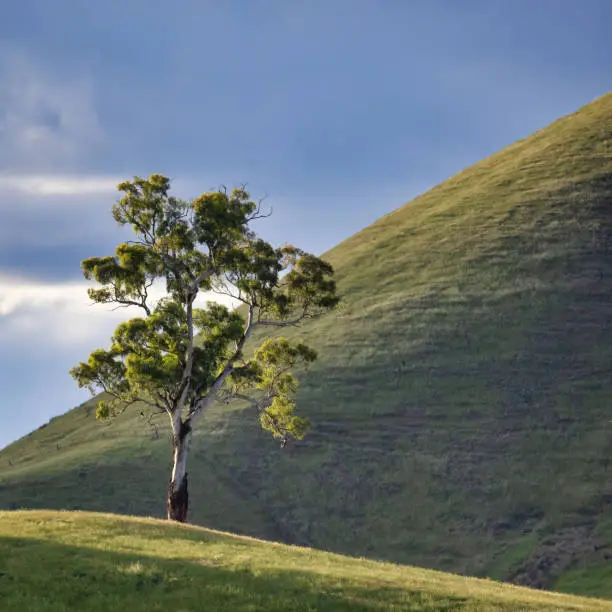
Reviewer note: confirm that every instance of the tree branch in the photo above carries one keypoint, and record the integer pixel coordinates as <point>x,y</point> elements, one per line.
<point>144,294</point>
<point>207,399</point>
<point>291,323</point>
<point>127,402</point>
<point>261,405</point>
<point>152,415</point>
<point>123,301</point>
<point>127,303</point>
<point>186,378</point>
<point>257,213</point>
<point>224,291</point>
<point>195,285</point>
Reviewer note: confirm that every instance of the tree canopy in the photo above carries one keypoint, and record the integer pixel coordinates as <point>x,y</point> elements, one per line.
<point>179,358</point>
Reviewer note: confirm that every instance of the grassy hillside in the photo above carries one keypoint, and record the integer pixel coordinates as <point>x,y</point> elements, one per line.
<point>52,561</point>
<point>461,401</point>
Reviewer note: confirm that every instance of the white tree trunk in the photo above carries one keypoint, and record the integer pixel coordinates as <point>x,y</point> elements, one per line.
<point>178,498</point>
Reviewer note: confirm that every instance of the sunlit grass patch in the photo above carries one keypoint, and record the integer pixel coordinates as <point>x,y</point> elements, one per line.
<point>81,561</point>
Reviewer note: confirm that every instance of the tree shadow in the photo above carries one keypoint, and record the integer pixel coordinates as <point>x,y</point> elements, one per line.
<point>42,576</point>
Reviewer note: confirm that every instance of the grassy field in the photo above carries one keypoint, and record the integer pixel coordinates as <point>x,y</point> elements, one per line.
<point>60,561</point>
<point>461,401</point>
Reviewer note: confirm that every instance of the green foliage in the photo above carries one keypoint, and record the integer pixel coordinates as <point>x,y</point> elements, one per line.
<point>203,244</point>
<point>280,420</point>
<point>273,362</point>
<point>101,369</point>
<point>221,220</point>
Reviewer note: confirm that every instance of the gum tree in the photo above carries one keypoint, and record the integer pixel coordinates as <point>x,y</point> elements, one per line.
<point>179,359</point>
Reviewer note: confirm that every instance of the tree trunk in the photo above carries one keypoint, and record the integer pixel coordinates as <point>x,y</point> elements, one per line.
<point>177,502</point>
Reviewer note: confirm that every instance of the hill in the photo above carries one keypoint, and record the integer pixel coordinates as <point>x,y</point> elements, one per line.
<point>461,400</point>
<point>67,560</point>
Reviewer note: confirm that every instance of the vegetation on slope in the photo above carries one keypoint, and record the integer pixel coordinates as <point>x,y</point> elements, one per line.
<point>461,400</point>
<point>51,561</point>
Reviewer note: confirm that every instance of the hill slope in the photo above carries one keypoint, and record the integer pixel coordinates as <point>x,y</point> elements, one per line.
<point>67,561</point>
<point>461,401</point>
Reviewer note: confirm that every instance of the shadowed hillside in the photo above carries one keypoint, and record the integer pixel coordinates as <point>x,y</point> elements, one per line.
<point>461,400</point>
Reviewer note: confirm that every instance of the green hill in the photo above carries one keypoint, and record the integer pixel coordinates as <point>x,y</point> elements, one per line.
<point>58,561</point>
<point>461,401</point>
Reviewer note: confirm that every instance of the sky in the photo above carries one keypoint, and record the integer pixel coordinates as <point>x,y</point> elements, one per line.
<point>337,111</point>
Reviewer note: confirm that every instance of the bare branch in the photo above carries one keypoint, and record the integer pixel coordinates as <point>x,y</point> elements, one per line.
<point>127,303</point>
<point>127,402</point>
<point>151,415</point>
<point>149,421</point>
<point>257,213</point>
<point>222,289</point>
<point>292,323</point>
<point>261,404</point>
<point>281,323</point>
<point>144,294</point>
<point>165,400</point>
<point>148,403</point>
<point>123,301</point>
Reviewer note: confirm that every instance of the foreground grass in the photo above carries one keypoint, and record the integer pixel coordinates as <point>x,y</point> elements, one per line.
<point>56,561</point>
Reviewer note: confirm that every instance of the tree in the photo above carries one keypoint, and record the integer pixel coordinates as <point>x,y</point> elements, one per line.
<point>179,359</point>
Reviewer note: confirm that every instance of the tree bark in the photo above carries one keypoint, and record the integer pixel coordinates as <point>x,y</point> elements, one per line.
<point>177,503</point>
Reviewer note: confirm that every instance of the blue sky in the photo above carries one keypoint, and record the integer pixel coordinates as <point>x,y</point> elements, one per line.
<point>338,110</point>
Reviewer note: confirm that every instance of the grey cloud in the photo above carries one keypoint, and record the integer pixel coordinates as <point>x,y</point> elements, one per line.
<point>48,237</point>
<point>45,122</point>
<point>48,263</point>
<point>51,242</point>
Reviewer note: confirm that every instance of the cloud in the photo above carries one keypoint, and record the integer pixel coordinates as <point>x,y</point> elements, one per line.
<point>57,314</point>
<point>38,233</point>
<point>49,222</point>
<point>61,315</point>
<point>46,121</point>
<point>45,185</point>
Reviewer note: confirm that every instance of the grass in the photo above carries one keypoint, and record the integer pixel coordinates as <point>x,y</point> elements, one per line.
<point>461,401</point>
<point>60,561</point>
